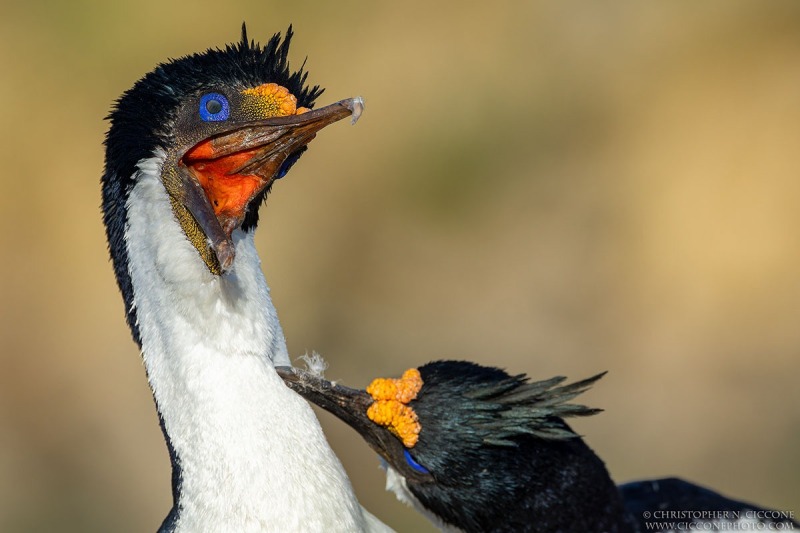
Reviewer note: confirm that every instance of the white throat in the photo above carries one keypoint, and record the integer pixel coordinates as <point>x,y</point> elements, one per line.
<point>396,483</point>
<point>252,454</point>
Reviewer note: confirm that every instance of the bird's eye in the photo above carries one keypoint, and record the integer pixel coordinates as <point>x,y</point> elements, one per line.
<point>214,107</point>
<point>415,465</point>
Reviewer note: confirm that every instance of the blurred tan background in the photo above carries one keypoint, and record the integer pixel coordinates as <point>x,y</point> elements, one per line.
<point>550,187</point>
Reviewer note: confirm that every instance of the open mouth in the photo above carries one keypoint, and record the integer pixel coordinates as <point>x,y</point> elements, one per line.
<point>230,182</point>
<point>225,173</point>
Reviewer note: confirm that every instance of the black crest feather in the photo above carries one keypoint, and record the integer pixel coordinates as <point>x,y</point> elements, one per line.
<point>497,407</point>
<point>142,120</point>
<point>501,454</point>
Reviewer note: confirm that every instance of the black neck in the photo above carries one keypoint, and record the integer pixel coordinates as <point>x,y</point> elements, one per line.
<point>541,485</point>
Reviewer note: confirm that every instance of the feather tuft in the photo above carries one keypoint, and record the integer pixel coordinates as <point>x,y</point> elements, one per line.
<point>315,364</point>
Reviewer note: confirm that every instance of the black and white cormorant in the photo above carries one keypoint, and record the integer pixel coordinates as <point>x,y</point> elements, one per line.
<point>475,449</point>
<point>192,150</point>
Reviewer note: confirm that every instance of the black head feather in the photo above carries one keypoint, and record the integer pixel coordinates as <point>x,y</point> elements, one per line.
<point>501,456</point>
<point>143,117</point>
<point>494,453</point>
<point>461,400</point>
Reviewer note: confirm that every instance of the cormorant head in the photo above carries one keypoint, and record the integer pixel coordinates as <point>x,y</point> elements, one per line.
<point>469,443</point>
<point>227,123</point>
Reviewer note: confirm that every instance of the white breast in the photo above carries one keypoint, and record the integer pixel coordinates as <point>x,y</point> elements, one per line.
<point>252,453</point>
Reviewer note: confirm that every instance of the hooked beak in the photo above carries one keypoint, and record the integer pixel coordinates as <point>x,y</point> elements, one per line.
<point>219,177</point>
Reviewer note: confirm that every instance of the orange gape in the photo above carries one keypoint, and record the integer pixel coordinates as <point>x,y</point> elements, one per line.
<point>228,193</point>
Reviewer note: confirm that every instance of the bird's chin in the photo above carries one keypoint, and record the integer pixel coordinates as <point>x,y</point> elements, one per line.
<point>228,186</point>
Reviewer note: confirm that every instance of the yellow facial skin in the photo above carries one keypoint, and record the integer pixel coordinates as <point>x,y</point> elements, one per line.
<point>390,407</point>
<point>222,188</point>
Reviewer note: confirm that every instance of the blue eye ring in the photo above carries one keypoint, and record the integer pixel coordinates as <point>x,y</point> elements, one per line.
<point>214,107</point>
<point>415,465</point>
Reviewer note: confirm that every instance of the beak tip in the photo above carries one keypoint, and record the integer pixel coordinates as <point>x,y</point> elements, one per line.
<point>225,255</point>
<point>356,106</point>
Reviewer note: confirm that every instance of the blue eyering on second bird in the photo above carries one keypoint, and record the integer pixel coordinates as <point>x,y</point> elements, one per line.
<point>413,464</point>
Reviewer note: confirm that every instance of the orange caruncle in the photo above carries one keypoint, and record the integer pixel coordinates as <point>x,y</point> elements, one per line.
<point>389,408</point>
<point>269,100</point>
